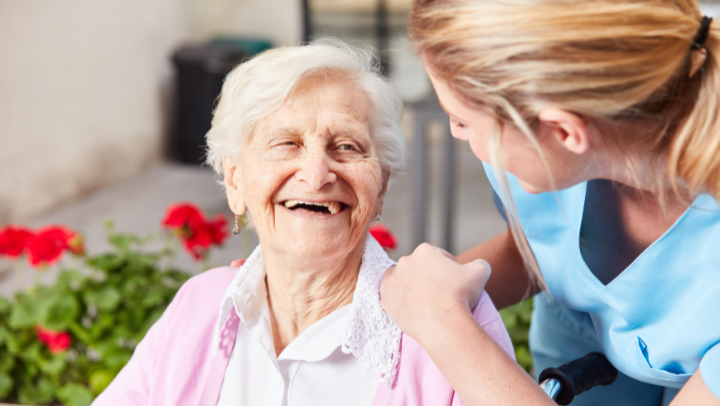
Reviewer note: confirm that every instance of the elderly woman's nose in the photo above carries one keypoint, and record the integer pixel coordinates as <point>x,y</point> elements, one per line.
<point>315,170</point>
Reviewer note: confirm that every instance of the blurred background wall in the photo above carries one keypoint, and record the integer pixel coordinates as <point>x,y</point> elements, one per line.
<point>85,87</point>
<point>87,91</point>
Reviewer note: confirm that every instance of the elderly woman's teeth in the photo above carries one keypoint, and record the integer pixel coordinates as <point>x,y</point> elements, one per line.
<point>334,207</point>
<point>331,207</point>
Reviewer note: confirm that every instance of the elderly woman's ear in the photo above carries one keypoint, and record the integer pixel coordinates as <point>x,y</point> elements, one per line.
<point>231,174</point>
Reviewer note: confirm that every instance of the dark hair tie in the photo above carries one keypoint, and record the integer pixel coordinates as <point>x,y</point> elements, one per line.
<point>699,41</point>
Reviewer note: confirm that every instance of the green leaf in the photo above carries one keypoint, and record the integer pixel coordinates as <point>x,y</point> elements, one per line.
<point>523,357</point>
<point>106,262</point>
<point>72,280</point>
<point>29,372</point>
<point>123,241</point>
<point>103,323</point>
<point>7,363</point>
<point>62,312</point>
<point>149,321</point>
<point>135,284</point>
<point>32,354</point>
<point>518,335</point>
<point>13,344</point>
<point>24,314</point>
<point>53,366</point>
<point>135,320</point>
<point>4,305</point>
<point>517,321</point>
<point>73,394</point>
<point>99,380</point>
<point>105,299</point>
<point>40,394</point>
<point>153,296</point>
<point>118,359</point>
<point>6,385</point>
<point>509,319</point>
<point>80,333</point>
<point>5,334</point>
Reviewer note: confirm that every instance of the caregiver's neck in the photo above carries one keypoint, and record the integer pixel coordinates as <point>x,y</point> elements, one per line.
<point>303,291</point>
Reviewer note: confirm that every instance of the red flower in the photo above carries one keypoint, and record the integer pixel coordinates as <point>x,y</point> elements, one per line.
<point>48,245</point>
<point>199,241</point>
<point>196,233</point>
<point>57,341</point>
<point>217,228</point>
<point>14,240</point>
<point>181,215</point>
<point>204,235</point>
<point>384,237</point>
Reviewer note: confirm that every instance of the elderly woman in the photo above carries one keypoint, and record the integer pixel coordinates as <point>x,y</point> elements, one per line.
<point>306,139</point>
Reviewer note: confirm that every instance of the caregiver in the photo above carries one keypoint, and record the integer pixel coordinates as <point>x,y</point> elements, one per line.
<point>598,123</point>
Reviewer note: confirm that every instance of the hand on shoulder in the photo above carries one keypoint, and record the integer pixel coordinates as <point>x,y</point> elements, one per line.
<point>237,263</point>
<point>427,286</point>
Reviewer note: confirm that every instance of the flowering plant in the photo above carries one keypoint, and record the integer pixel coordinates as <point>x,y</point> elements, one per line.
<point>384,237</point>
<point>517,322</point>
<point>44,247</point>
<point>67,341</point>
<point>197,233</point>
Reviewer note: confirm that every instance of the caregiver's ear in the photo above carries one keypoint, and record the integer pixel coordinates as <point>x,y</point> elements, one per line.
<point>567,128</point>
<point>231,178</point>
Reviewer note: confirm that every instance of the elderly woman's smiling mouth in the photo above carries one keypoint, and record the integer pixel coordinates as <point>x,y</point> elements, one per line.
<point>331,207</point>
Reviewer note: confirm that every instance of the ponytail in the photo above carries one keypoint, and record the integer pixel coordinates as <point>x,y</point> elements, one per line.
<point>694,152</point>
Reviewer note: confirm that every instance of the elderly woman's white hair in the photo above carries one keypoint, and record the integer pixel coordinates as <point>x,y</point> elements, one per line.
<point>255,89</point>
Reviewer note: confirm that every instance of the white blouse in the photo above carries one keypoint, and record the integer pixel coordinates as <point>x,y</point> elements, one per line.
<point>339,360</point>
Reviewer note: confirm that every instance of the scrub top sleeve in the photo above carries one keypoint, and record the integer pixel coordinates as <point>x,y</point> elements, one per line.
<point>710,369</point>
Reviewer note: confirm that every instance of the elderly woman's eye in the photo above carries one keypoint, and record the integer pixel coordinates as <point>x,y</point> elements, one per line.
<point>347,147</point>
<point>458,124</point>
<point>286,143</point>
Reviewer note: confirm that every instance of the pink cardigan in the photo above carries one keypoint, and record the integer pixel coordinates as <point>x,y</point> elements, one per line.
<point>173,365</point>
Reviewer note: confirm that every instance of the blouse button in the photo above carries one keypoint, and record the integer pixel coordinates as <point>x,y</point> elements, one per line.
<point>278,380</point>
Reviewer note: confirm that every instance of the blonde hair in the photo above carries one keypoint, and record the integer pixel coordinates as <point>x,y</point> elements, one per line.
<point>620,60</point>
<point>257,88</point>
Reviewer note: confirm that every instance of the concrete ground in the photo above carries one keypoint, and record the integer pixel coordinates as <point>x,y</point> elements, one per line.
<point>138,205</point>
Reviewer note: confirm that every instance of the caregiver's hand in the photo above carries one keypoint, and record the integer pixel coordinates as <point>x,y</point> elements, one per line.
<point>429,295</point>
<point>237,263</point>
<point>428,285</point>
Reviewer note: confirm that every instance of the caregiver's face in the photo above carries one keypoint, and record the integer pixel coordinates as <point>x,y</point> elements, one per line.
<point>519,155</point>
<point>310,174</point>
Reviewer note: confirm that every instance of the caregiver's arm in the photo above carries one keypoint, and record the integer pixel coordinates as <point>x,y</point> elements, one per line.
<point>430,295</point>
<point>476,367</point>
<point>695,393</point>
<point>509,282</point>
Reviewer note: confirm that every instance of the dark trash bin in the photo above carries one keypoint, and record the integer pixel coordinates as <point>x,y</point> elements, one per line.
<point>200,74</point>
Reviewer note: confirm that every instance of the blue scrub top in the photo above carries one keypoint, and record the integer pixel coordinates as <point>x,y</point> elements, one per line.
<point>659,320</point>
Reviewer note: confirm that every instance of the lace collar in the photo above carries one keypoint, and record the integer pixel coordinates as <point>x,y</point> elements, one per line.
<point>370,335</point>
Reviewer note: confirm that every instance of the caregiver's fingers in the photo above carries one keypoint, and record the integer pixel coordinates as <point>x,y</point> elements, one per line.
<point>427,284</point>
<point>447,254</point>
<point>478,270</point>
<point>237,263</point>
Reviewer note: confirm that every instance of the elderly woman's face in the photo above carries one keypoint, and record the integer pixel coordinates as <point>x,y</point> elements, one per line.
<point>310,175</point>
